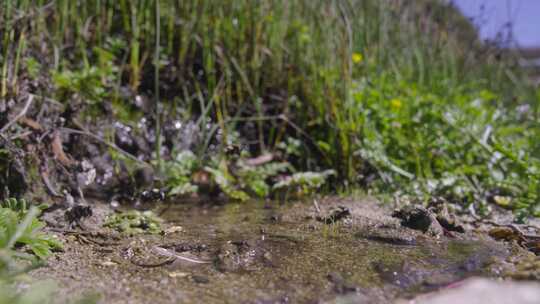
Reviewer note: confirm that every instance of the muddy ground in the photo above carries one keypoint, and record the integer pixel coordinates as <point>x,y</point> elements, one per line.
<point>332,250</point>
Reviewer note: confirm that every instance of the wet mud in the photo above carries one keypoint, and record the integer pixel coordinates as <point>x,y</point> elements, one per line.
<point>332,251</point>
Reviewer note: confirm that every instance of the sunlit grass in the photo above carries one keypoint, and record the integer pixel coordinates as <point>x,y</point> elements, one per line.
<point>393,96</point>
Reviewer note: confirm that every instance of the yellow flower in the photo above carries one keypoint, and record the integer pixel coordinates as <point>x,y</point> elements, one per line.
<point>357,57</point>
<point>396,104</point>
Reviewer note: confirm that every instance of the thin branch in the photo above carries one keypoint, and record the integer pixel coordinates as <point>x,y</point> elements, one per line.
<point>109,144</point>
<point>21,114</point>
<point>49,100</point>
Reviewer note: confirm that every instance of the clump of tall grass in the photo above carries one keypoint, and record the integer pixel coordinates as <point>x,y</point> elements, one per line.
<point>390,94</point>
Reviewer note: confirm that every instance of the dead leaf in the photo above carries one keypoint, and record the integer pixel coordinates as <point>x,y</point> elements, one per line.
<point>201,177</point>
<point>505,233</point>
<point>58,151</point>
<point>32,124</point>
<point>44,172</point>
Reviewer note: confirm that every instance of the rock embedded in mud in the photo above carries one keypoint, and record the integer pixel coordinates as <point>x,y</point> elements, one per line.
<point>512,232</point>
<point>77,213</point>
<point>505,233</point>
<point>419,218</point>
<point>341,285</point>
<point>235,256</point>
<point>527,269</point>
<point>200,279</point>
<point>450,223</point>
<point>173,229</point>
<point>447,220</point>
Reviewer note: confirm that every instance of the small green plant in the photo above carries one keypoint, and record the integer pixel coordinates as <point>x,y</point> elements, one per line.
<point>261,181</point>
<point>33,67</point>
<point>330,230</point>
<point>257,179</point>
<point>36,293</point>
<point>460,146</point>
<point>227,182</point>
<point>92,83</point>
<point>20,229</point>
<point>178,174</point>
<point>304,183</point>
<point>135,222</point>
<point>239,180</point>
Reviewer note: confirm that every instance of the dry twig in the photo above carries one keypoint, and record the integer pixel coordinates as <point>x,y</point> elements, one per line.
<point>111,145</point>
<point>20,115</point>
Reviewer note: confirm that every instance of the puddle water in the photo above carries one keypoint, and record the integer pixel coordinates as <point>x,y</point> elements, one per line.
<point>260,253</point>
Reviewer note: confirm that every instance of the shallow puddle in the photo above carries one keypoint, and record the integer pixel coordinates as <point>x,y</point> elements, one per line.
<point>269,253</point>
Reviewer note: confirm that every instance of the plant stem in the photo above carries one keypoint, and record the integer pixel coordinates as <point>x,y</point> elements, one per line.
<point>156,90</point>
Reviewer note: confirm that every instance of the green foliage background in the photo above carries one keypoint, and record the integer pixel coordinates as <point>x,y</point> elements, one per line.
<point>392,95</point>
